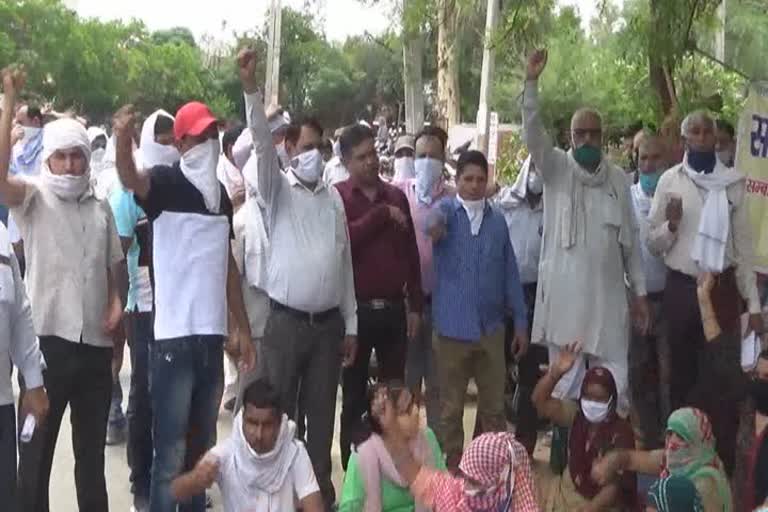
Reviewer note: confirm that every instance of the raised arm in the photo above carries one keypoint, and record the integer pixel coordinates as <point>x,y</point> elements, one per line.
<point>12,190</point>
<point>549,407</point>
<point>266,176</point>
<point>543,152</point>
<point>124,127</point>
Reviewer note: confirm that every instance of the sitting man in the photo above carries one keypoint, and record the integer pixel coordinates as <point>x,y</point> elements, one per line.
<point>262,466</point>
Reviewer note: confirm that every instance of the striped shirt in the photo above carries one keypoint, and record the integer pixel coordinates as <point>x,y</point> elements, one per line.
<point>477,282</point>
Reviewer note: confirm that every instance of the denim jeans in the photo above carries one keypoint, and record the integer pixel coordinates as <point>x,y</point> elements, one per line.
<point>8,457</point>
<point>139,412</point>
<point>187,381</point>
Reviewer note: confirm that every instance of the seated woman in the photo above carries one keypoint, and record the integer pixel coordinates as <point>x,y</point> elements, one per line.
<point>372,482</point>
<point>689,452</point>
<point>673,494</point>
<point>595,430</point>
<point>494,472</point>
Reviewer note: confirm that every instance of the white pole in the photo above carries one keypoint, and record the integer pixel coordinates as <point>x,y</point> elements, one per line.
<point>272,79</point>
<point>412,78</point>
<point>486,76</point>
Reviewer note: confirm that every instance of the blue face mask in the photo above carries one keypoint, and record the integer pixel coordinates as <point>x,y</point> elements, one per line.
<point>701,161</point>
<point>648,181</point>
<point>588,156</point>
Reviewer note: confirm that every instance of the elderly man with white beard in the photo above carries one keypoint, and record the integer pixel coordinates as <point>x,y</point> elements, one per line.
<point>75,278</point>
<point>197,287</point>
<point>590,244</point>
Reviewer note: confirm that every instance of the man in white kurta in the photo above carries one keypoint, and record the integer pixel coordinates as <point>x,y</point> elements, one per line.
<point>590,243</point>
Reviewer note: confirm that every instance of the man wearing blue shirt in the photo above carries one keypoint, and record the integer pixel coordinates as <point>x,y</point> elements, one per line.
<point>477,286</point>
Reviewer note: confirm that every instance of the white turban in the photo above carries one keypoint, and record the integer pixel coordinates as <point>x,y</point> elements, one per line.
<point>65,134</point>
<point>151,153</point>
<point>95,132</point>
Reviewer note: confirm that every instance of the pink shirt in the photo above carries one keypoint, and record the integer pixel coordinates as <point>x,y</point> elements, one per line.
<point>419,212</point>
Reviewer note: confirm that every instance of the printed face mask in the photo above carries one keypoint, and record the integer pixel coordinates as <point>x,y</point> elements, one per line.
<point>428,172</point>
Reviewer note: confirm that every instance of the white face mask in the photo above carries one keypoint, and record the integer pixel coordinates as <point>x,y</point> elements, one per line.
<point>199,167</point>
<point>428,172</point>
<point>475,211</point>
<point>535,185</point>
<point>66,187</point>
<point>595,412</point>
<point>308,166</point>
<point>30,132</point>
<point>282,154</point>
<point>405,168</point>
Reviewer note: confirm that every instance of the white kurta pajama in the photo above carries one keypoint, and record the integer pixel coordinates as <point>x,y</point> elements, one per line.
<point>590,243</point>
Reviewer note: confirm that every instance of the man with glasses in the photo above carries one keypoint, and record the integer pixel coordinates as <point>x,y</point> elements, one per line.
<point>590,243</point>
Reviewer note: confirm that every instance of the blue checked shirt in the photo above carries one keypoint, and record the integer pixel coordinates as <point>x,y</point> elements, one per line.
<point>477,283</point>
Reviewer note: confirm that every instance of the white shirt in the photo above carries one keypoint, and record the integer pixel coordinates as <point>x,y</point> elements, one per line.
<point>590,243</point>
<point>676,247</point>
<point>299,483</point>
<point>335,172</point>
<point>525,228</point>
<point>18,343</point>
<point>256,300</point>
<point>654,267</point>
<point>309,261</point>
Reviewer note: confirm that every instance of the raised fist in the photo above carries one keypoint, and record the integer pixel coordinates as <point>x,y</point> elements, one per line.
<point>537,61</point>
<point>14,78</point>
<point>246,64</point>
<point>124,121</point>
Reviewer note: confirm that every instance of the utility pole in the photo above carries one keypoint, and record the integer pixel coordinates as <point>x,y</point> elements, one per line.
<point>413,44</point>
<point>720,36</point>
<point>272,81</point>
<point>486,76</point>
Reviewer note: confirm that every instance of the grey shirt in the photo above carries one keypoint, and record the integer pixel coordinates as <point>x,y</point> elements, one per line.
<point>70,247</point>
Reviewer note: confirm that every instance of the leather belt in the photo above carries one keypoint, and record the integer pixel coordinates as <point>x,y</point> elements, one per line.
<point>310,318</point>
<point>379,304</point>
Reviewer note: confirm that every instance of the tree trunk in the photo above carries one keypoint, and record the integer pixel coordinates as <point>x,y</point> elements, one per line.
<point>413,80</point>
<point>448,99</point>
<point>661,75</point>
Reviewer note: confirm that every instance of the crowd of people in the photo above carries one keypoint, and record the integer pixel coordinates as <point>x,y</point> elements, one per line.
<point>261,267</point>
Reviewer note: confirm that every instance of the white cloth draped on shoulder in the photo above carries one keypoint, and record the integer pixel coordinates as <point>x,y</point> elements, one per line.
<point>151,153</point>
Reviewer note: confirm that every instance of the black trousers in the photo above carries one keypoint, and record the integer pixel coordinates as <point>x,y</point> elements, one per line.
<point>139,413</point>
<point>383,330</point>
<point>8,458</point>
<point>80,376</point>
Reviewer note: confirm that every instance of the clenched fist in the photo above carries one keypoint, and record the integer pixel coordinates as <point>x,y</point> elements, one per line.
<point>537,61</point>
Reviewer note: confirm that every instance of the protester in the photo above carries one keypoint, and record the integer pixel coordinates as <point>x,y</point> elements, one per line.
<point>756,492</point>
<point>699,222</point>
<point>649,354</point>
<point>76,283</point>
<point>689,452</point>
<point>312,327</point>
<point>191,218</point>
<point>27,151</point>
<point>494,473</point>
<point>335,171</point>
<point>424,193</point>
<point>477,285</point>
<point>725,144</point>
<point>405,169</point>
<point>372,482</point>
<point>228,173</point>
<point>278,121</point>
<point>133,228</point>
<point>674,494</point>
<point>385,259</point>
<point>18,347</point>
<point>591,244</point>
<point>523,209</point>
<point>261,466</point>
<point>97,136</point>
<point>595,429</point>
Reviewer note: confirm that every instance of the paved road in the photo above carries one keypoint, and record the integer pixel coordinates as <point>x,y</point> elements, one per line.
<point>62,489</point>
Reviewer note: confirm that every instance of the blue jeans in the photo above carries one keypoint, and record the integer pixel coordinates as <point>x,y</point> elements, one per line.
<point>8,457</point>
<point>139,412</point>
<point>187,381</point>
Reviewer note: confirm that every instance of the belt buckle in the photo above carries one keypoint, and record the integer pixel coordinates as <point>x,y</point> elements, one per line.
<point>378,304</point>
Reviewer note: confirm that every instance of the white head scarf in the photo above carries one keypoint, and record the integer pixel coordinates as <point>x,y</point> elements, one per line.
<point>150,152</point>
<point>60,135</point>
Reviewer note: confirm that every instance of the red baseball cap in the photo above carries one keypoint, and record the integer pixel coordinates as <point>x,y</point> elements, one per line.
<point>192,119</point>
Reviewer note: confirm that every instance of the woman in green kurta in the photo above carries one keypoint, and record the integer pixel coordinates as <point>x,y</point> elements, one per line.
<point>372,483</point>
